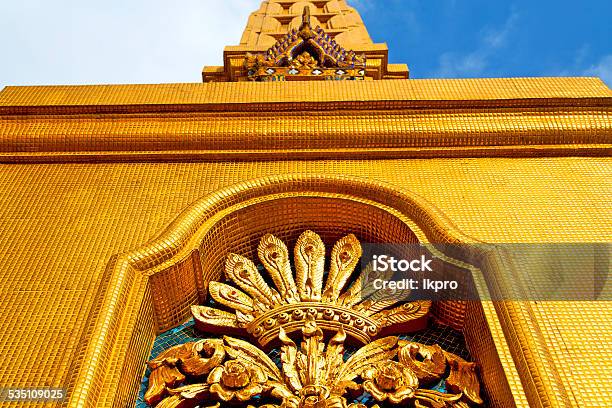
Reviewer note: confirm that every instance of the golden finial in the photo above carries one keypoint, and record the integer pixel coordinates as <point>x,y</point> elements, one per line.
<point>305,17</point>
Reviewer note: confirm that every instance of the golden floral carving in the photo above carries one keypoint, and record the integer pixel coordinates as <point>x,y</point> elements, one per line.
<point>314,372</point>
<point>390,381</point>
<point>431,364</point>
<point>236,380</point>
<point>174,365</point>
<point>463,378</point>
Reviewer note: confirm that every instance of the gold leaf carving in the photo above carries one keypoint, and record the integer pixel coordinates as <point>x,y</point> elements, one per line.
<point>463,378</point>
<point>309,266</point>
<point>195,365</point>
<point>390,381</point>
<point>236,380</point>
<point>358,309</point>
<point>215,320</point>
<point>435,399</point>
<point>379,350</point>
<point>171,402</point>
<point>382,299</point>
<point>242,350</point>
<point>289,355</point>
<point>334,355</point>
<point>311,361</point>
<point>245,274</point>
<point>344,258</point>
<point>428,363</point>
<point>164,372</point>
<point>192,391</point>
<point>313,373</point>
<point>231,297</point>
<point>402,313</point>
<point>274,256</point>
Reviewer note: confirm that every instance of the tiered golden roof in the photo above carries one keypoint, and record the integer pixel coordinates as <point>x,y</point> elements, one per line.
<point>338,23</point>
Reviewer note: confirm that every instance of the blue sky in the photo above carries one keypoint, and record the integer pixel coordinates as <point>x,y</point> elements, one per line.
<point>156,41</point>
<point>490,38</point>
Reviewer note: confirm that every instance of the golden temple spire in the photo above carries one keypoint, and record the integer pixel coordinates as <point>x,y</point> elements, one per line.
<point>336,37</point>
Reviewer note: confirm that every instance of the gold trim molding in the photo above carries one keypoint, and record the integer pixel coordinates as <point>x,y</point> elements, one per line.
<point>350,135</point>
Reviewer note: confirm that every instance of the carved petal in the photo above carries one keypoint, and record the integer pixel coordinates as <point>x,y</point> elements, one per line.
<point>280,391</point>
<point>344,258</point>
<point>159,381</point>
<point>215,375</point>
<point>215,321</point>
<point>197,366</point>
<point>312,347</point>
<point>172,355</point>
<point>274,256</point>
<point>334,355</point>
<point>355,293</point>
<point>192,391</point>
<point>231,297</point>
<point>245,274</point>
<point>463,379</point>
<point>371,388</point>
<point>381,300</point>
<point>164,373</point>
<point>435,399</point>
<point>250,391</point>
<point>401,395</point>
<point>289,354</point>
<point>223,393</point>
<point>242,350</point>
<point>404,313</point>
<point>309,266</point>
<point>258,376</point>
<point>379,350</point>
<point>174,401</point>
<point>428,369</point>
<point>363,287</point>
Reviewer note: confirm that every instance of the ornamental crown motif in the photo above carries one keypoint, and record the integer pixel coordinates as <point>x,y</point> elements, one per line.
<point>316,372</point>
<point>306,52</point>
<point>261,311</point>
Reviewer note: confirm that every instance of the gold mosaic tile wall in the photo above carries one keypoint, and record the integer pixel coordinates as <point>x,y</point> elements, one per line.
<point>61,224</point>
<point>128,159</point>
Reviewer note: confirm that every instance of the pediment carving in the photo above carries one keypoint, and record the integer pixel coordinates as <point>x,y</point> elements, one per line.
<point>306,53</point>
<point>323,324</point>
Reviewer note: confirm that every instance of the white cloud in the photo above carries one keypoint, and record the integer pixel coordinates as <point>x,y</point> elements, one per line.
<point>140,41</point>
<point>360,5</point>
<point>497,38</point>
<point>602,69</point>
<point>452,65</point>
<point>455,65</point>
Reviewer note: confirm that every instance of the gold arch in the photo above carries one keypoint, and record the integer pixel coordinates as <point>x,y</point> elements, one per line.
<point>137,303</point>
